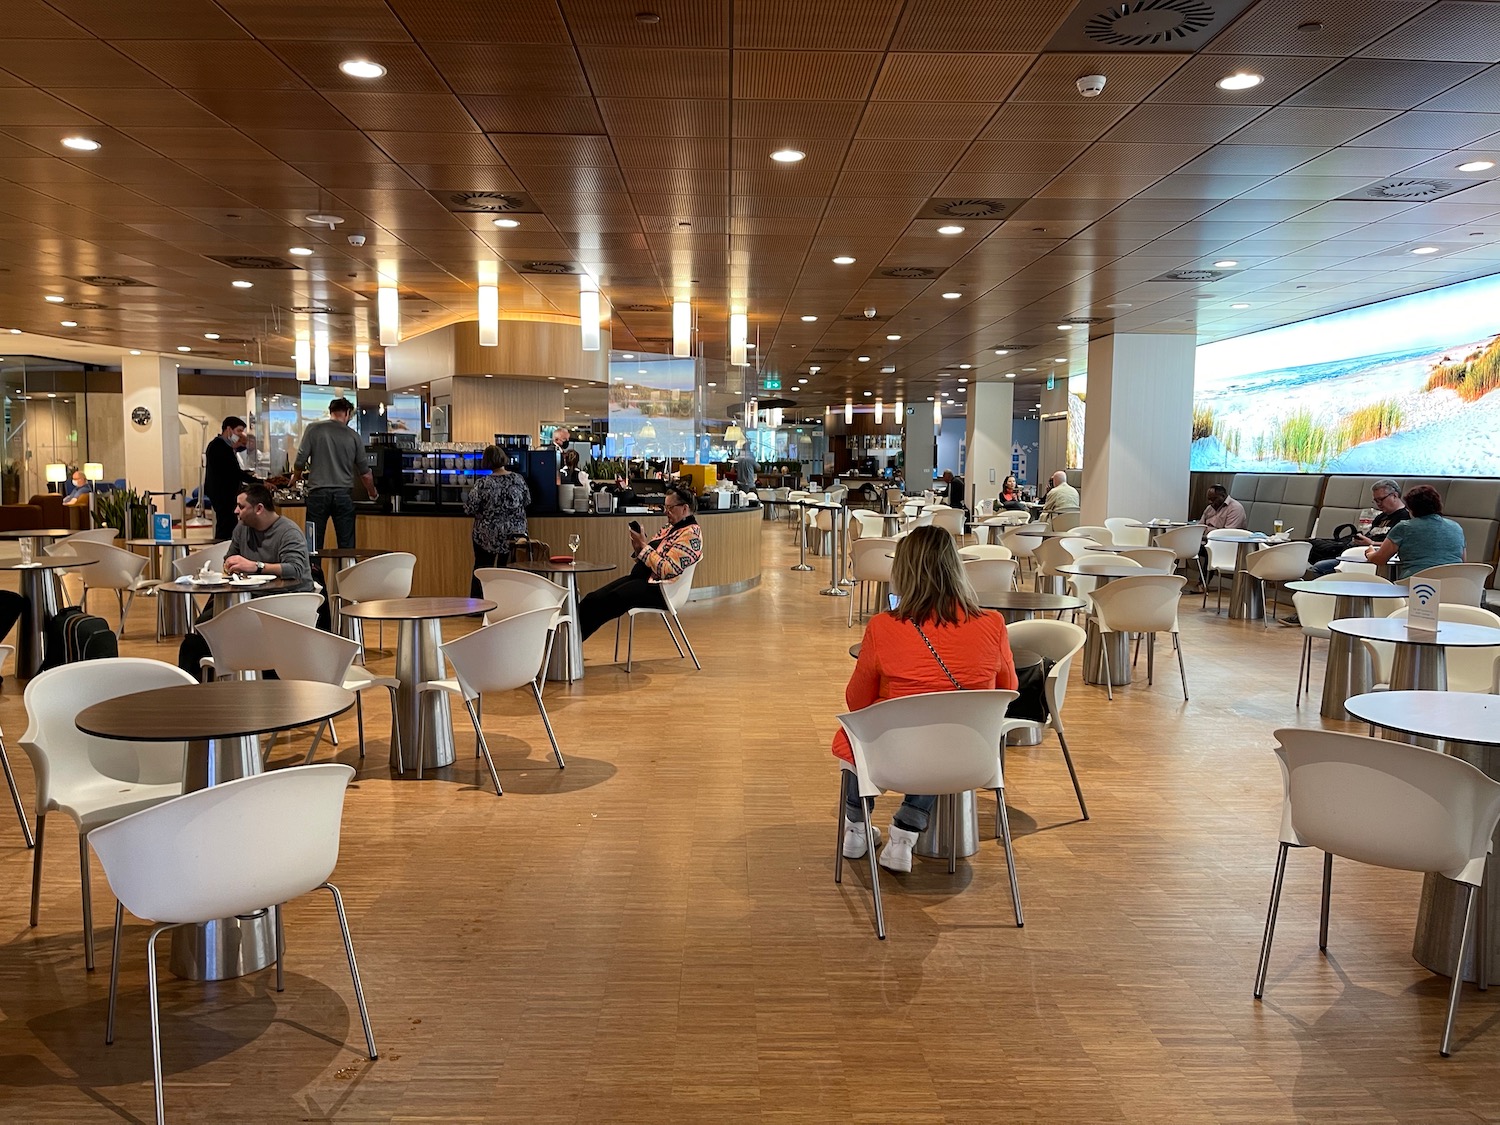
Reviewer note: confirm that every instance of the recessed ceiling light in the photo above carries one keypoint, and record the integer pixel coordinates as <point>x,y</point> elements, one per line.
<point>1065,328</point>
<point>808,319</point>
<point>929,398</point>
<point>843,260</point>
<point>1241,305</point>
<point>627,355</point>
<point>952,296</point>
<point>963,390</point>
<point>893,336</point>
<point>81,144</point>
<point>716,384</point>
<point>133,351</point>
<point>814,369</point>
<point>963,378</point>
<point>362,68</point>
<point>243,284</point>
<point>951,228</point>
<point>300,251</point>
<point>210,335</point>
<point>69,324</point>
<point>1001,351</point>
<point>1227,264</point>
<point>53,298</point>
<point>1010,374</point>
<point>1120,305</point>
<point>1241,80</point>
<point>1476,166</point>
<point>864,359</point>
<point>183,348</point>
<point>1425,250</point>
<point>787,155</point>
<point>752,346</point>
<point>799,380</point>
<point>1028,369</point>
<point>1059,359</point>
<point>965,366</point>
<point>869,393</point>
<point>508,224</point>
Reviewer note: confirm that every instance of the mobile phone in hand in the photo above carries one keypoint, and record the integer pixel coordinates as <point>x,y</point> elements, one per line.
<point>635,526</point>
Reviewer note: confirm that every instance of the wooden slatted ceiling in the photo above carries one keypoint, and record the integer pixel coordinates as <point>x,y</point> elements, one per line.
<point>647,146</point>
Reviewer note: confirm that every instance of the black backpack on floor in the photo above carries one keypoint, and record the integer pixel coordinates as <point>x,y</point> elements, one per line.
<point>73,635</point>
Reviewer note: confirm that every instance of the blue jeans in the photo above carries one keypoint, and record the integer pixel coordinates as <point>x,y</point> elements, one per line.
<point>323,503</point>
<point>1327,566</point>
<point>912,815</point>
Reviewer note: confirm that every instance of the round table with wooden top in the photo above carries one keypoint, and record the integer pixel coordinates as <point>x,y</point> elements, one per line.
<point>38,534</point>
<point>567,658</point>
<point>1465,725</point>
<point>1420,663</point>
<point>221,723</point>
<point>343,558</point>
<point>176,548</point>
<point>228,593</point>
<point>1023,605</point>
<point>422,719</point>
<point>1348,671</point>
<point>43,600</point>
<point>1119,643</point>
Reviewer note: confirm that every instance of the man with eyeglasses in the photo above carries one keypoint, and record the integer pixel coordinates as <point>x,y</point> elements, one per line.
<point>1386,496</point>
<point>658,560</point>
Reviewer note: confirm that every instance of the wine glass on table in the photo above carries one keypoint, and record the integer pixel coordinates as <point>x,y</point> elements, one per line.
<point>573,541</point>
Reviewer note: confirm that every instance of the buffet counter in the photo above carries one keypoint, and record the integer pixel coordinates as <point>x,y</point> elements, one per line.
<point>445,556</point>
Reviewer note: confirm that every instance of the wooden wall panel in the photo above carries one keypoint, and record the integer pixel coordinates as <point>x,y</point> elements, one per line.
<point>531,347</point>
<point>483,408</point>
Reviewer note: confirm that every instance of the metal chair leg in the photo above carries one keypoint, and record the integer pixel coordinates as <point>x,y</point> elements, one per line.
<point>629,642</point>
<point>1150,659</point>
<point>396,734</point>
<point>617,642</point>
<point>316,742</point>
<point>279,933</point>
<point>838,839</point>
<point>1327,895</point>
<point>1458,971</point>
<point>15,796</point>
<point>1181,668</point>
<point>952,799</point>
<point>114,973</point>
<point>546,722</point>
<point>485,747</point>
<point>155,1004</point>
<point>359,992</point>
<point>541,676</point>
<point>1109,690</point>
<point>1302,668</point>
<point>1073,773</point>
<point>874,872</point>
<point>687,642</point>
<point>36,865</point>
<point>359,718</point>
<point>1010,856</point>
<point>1265,941</point>
<point>667,620</point>
<point>88,902</point>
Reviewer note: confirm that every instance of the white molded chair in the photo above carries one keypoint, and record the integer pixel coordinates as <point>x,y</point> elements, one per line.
<point>94,780</point>
<point>1469,669</point>
<point>1461,582</point>
<point>1281,562</point>
<point>1059,642</point>
<point>1223,554</point>
<point>1184,543</point>
<point>870,568</point>
<point>193,563</point>
<point>65,547</point>
<point>236,644</point>
<point>236,848</point>
<point>1315,611</point>
<point>865,523</point>
<point>111,568</point>
<point>1128,532</point>
<point>1352,561</point>
<point>1078,547</point>
<point>1020,543</point>
<point>675,594</point>
<point>1101,535</point>
<point>1049,554</point>
<point>1158,560</point>
<point>1084,586</point>
<point>498,657</point>
<point>1386,804</point>
<point>1065,519</point>
<point>7,651</point>
<point>991,576</point>
<point>1147,604</point>
<point>384,576</point>
<point>303,652</point>
<point>985,551</point>
<point>517,591</point>
<point>944,742</point>
<point>950,520</point>
<point>301,607</point>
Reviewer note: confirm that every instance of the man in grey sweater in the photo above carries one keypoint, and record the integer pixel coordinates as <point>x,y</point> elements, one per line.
<point>337,455</point>
<point>266,543</point>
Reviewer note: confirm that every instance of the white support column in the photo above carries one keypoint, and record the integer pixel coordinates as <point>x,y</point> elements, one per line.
<point>990,410</point>
<point>917,439</point>
<point>1052,434</point>
<point>152,458</point>
<point>1138,428</point>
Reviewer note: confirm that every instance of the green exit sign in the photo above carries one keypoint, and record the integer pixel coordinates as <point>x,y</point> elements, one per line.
<point>242,363</point>
<point>771,384</point>
<point>1051,383</point>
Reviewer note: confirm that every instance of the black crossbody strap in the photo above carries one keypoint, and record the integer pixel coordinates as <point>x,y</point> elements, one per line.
<point>951,677</point>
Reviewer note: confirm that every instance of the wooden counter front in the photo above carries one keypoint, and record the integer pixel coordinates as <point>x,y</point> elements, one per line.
<point>445,555</point>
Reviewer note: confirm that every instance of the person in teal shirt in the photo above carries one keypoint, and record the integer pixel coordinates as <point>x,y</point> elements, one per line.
<point>1427,539</point>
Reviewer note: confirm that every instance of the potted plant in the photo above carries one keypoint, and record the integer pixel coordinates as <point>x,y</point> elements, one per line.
<point>110,510</point>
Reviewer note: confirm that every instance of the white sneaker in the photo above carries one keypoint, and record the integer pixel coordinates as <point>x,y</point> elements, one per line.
<point>897,854</point>
<point>855,844</point>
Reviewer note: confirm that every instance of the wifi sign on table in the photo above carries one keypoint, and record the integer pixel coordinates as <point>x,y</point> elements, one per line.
<point>1422,608</point>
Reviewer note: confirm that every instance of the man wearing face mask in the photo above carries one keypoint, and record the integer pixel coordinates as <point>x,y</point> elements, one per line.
<point>223,477</point>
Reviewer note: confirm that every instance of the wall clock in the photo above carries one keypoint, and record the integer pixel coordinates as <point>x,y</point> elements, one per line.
<point>141,416</point>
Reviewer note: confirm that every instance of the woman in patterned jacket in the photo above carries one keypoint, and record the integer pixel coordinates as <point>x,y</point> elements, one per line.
<point>662,558</point>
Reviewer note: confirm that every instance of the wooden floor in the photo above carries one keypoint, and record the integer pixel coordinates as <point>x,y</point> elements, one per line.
<point>653,936</point>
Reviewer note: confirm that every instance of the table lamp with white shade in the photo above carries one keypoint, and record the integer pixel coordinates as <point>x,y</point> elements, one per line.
<point>93,472</point>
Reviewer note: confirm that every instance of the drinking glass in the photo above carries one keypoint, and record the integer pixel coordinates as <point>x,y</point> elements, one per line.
<point>573,541</point>
<point>25,545</point>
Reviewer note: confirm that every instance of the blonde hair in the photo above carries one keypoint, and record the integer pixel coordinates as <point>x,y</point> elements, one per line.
<point>929,578</point>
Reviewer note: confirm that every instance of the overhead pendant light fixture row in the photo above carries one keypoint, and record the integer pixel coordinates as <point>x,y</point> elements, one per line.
<point>489,304</point>
<point>739,332</point>
<point>362,367</point>
<point>322,368</point>
<point>302,357</point>
<point>388,309</point>
<point>588,312</point>
<point>682,329</point>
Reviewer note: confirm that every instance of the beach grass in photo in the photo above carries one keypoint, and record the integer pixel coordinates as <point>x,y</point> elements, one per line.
<point>1475,377</point>
<point>1300,438</point>
<point>1203,421</point>
<point>1367,423</point>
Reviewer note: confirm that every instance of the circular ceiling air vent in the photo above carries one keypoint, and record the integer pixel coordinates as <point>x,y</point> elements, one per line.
<point>1414,189</point>
<point>550,267</point>
<point>108,281</point>
<point>312,310</point>
<point>1194,275</point>
<point>910,273</point>
<point>252,262</point>
<point>491,202</point>
<point>84,305</point>
<point>1148,23</point>
<point>643,308</point>
<point>971,208</point>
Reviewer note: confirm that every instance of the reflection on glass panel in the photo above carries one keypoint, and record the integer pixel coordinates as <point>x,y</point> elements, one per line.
<point>44,424</point>
<point>652,400</point>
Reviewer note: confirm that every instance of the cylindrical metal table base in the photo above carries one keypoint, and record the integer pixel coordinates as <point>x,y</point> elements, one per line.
<point>1419,667</point>
<point>1247,598</point>
<point>418,660</point>
<point>1024,736</point>
<point>566,664</point>
<point>1119,657</point>
<point>1050,583</point>
<point>1348,672</point>
<point>933,843</point>
<point>39,588</point>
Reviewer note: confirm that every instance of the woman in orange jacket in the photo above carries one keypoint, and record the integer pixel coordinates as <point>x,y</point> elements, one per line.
<point>937,629</point>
